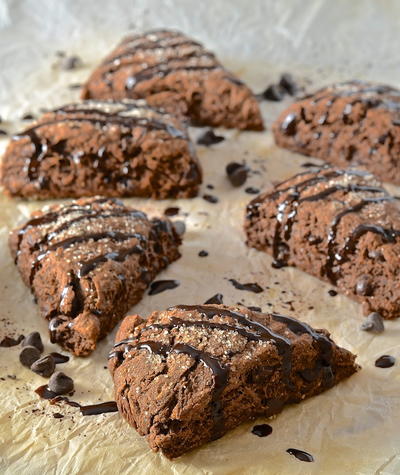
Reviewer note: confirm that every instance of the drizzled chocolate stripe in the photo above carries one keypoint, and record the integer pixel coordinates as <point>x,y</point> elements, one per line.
<point>103,214</point>
<point>264,333</point>
<point>145,46</point>
<point>42,146</point>
<point>53,216</point>
<point>117,256</point>
<point>219,371</point>
<point>66,243</point>
<point>160,70</point>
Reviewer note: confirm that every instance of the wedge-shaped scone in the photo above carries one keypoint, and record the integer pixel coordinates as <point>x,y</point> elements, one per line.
<point>352,123</point>
<point>178,74</point>
<point>102,148</point>
<point>339,225</point>
<point>189,374</point>
<point>88,262</point>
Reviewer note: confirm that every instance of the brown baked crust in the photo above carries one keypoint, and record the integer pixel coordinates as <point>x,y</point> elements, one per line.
<point>189,374</point>
<point>348,124</point>
<point>176,73</point>
<point>88,262</point>
<point>104,148</point>
<point>338,225</point>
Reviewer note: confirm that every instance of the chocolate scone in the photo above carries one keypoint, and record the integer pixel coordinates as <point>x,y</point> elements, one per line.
<point>336,224</point>
<point>348,124</point>
<point>88,262</point>
<point>189,374</point>
<point>176,73</point>
<point>102,148</point>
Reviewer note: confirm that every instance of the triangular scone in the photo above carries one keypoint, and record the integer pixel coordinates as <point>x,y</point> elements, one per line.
<point>339,225</point>
<point>176,73</point>
<point>189,374</point>
<point>107,148</point>
<point>87,262</point>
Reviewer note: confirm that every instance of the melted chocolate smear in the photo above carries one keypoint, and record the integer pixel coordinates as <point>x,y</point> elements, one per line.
<point>216,299</point>
<point>45,393</point>
<point>262,430</point>
<point>209,138</point>
<point>8,342</point>
<point>100,408</point>
<point>249,287</point>
<point>385,361</point>
<point>210,198</point>
<point>172,211</point>
<point>301,455</point>
<point>59,358</point>
<point>203,253</point>
<point>159,286</point>
<point>332,293</point>
<point>252,191</point>
<point>310,165</point>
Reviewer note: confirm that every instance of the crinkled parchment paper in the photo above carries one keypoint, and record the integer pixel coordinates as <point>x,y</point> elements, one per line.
<point>351,429</point>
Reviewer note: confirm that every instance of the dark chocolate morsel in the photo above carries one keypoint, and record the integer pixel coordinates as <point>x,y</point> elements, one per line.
<point>250,287</point>
<point>385,361</point>
<point>216,299</point>
<point>237,173</point>
<point>28,116</point>
<point>251,190</point>
<point>34,339</point>
<point>332,292</point>
<point>203,253</point>
<point>363,286</point>
<point>373,323</point>
<point>210,198</point>
<point>60,383</point>
<point>180,227</point>
<point>159,286</point>
<point>57,415</point>
<point>288,84</point>
<point>274,92</point>
<point>301,455</point>
<point>8,342</point>
<point>3,132</point>
<point>171,211</point>
<point>262,430</point>
<point>44,366</point>
<point>210,138</point>
<point>59,358</point>
<point>28,355</point>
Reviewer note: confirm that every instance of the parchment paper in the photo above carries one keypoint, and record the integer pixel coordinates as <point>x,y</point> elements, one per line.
<point>351,429</point>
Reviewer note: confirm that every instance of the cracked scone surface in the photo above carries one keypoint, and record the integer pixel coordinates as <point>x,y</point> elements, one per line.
<point>347,124</point>
<point>88,262</point>
<point>339,225</point>
<point>108,148</point>
<point>189,374</point>
<point>172,71</point>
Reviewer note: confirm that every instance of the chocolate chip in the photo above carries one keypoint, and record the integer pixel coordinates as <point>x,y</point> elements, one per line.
<point>216,299</point>
<point>57,415</point>
<point>210,198</point>
<point>203,253</point>
<point>180,227</point>
<point>28,116</point>
<point>8,341</point>
<point>363,286</point>
<point>209,138</point>
<point>252,191</point>
<point>273,92</point>
<point>3,132</point>
<point>332,293</point>
<point>60,383</point>
<point>385,361</point>
<point>44,366</point>
<point>172,211</point>
<point>237,173</point>
<point>28,355</point>
<point>288,84</point>
<point>71,62</point>
<point>289,125</point>
<point>373,323</point>
<point>254,309</point>
<point>34,339</point>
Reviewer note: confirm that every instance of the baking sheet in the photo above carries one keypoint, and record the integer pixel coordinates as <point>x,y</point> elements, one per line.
<point>351,429</point>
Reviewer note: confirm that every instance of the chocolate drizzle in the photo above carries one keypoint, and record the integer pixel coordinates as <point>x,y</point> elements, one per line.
<point>125,114</point>
<point>242,324</point>
<point>288,208</point>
